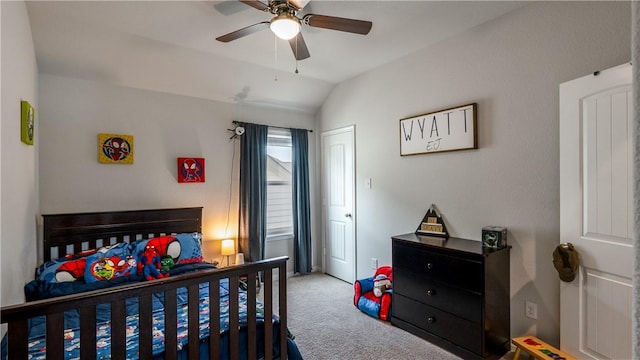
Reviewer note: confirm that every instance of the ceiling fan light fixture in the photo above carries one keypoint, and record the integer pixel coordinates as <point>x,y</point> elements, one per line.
<point>285,26</point>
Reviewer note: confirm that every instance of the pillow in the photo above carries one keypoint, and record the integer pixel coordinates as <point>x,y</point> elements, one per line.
<point>111,262</point>
<point>61,270</point>
<point>183,248</point>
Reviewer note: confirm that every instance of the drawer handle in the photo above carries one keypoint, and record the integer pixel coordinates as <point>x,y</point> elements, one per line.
<point>431,292</point>
<point>431,319</point>
<point>429,265</point>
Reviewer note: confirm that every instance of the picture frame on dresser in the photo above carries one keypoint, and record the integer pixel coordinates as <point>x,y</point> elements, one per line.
<point>432,224</point>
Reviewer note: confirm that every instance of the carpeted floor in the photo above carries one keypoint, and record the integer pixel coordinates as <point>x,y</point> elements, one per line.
<point>328,326</point>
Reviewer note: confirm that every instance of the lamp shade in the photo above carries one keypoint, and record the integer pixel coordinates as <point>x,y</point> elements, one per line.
<point>228,247</point>
<point>285,26</point>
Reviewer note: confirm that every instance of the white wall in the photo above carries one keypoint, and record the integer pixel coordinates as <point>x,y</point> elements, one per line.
<point>164,127</point>
<point>635,21</point>
<point>512,68</point>
<point>18,161</point>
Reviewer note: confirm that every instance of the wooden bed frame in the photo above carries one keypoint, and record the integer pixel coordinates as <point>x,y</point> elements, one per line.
<point>71,233</point>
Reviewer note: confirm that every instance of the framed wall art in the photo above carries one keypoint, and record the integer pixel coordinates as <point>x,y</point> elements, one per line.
<point>27,122</point>
<point>115,149</point>
<point>450,129</point>
<point>190,170</point>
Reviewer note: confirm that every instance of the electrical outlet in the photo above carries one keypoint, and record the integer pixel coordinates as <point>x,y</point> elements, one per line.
<point>374,263</point>
<point>531,310</point>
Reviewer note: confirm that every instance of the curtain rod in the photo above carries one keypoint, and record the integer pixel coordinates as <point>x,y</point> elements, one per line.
<point>235,122</point>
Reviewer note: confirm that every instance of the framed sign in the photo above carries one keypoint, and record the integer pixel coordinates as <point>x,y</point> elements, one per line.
<point>444,130</point>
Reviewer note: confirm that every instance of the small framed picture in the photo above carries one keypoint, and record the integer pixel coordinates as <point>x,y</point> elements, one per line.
<point>115,149</point>
<point>27,123</point>
<point>190,170</point>
<point>494,237</point>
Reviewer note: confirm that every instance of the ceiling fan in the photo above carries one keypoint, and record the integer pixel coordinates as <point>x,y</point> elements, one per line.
<point>286,24</point>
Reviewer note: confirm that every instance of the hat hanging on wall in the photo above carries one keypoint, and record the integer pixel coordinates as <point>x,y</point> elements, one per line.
<point>566,261</point>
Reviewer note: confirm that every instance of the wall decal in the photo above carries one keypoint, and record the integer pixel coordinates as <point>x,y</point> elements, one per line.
<point>190,170</point>
<point>444,130</point>
<point>115,149</point>
<point>27,123</point>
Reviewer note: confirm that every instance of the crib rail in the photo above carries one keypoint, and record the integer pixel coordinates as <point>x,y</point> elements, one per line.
<point>16,316</point>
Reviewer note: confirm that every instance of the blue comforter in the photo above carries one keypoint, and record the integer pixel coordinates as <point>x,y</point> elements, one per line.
<point>40,290</point>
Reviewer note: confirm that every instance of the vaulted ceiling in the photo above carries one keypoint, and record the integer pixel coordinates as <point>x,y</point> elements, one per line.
<point>170,46</point>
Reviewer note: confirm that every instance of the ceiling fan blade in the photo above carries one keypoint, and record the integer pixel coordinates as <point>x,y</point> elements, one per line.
<point>244,32</point>
<point>299,47</point>
<point>337,23</point>
<point>256,4</point>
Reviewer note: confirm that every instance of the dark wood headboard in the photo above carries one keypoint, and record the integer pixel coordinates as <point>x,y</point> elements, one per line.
<point>73,233</point>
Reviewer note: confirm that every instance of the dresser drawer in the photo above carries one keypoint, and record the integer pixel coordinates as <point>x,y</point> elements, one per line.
<point>453,300</point>
<point>456,271</point>
<point>459,331</point>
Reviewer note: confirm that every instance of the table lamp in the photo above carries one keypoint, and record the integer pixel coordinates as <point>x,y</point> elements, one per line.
<point>228,248</point>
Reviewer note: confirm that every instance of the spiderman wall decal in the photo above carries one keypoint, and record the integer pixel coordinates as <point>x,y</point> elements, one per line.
<point>114,148</point>
<point>190,170</point>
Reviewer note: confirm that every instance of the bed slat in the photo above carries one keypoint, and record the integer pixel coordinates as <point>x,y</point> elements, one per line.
<point>92,245</point>
<point>118,330</point>
<point>234,323</point>
<point>268,309</point>
<point>55,336</point>
<point>251,312</point>
<point>194,316</point>
<point>170,321</point>
<point>145,326</point>
<point>282,305</point>
<point>18,337</point>
<point>214,319</point>
<point>88,332</point>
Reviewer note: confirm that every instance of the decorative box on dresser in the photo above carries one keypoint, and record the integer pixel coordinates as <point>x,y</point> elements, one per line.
<point>453,293</point>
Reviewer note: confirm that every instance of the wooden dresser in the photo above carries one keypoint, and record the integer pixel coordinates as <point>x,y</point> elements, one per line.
<point>453,293</point>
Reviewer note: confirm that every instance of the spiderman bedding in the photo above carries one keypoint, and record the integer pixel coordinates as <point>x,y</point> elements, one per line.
<point>40,290</point>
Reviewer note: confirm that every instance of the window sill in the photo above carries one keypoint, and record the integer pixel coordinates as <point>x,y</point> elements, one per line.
<point>279,237</point>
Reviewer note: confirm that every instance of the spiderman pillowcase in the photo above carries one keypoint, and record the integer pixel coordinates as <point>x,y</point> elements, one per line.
<point>110,262</point>
<point>122,260</point>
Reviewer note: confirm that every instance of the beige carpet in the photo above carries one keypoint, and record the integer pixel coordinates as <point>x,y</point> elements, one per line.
<point>327,325</point>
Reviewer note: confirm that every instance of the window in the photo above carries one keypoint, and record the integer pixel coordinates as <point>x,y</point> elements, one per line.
<point>279,210</point>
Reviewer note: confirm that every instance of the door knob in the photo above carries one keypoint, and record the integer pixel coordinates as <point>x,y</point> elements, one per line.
<point>347,215</point>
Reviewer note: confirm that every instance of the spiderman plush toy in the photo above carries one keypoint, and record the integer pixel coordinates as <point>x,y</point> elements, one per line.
<point>150,263</point>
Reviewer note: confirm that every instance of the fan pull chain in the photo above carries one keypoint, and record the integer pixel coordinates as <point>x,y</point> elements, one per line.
<point>296,54</point>
<point>275,55</point>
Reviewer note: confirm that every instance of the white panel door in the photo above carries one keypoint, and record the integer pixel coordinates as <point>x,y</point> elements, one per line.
<point>338,203</point>
<point>596,213</point>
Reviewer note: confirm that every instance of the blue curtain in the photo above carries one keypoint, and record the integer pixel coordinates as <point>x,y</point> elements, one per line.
<point>301,205</point>
<point>253,191</point>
